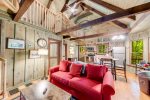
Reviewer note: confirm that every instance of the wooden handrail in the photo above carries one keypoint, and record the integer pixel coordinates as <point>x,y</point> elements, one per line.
<point>39,15</point>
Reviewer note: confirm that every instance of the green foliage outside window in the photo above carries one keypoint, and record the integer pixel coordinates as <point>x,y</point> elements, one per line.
<point>137,51</point>
<point>102,48</point>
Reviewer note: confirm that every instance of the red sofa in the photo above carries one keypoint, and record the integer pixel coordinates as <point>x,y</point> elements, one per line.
<point>82,87</point>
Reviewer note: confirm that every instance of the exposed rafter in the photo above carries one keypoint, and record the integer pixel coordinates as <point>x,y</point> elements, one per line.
<point>111,7</point>
<point>118,23</point>
<point>64,7</point>
<point>49,3</point>
<point>72,16</point>
<point>122,14</point>
<point>82,16</point>
<point>26,4</point>
<point>95,35</point>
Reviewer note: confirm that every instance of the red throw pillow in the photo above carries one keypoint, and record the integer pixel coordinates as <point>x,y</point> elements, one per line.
<point>63,66</point>
<point>75,69</point>
<point>146,65</point>
<point>96,72</point>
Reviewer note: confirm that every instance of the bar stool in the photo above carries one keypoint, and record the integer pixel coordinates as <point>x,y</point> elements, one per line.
<point>122,70</point>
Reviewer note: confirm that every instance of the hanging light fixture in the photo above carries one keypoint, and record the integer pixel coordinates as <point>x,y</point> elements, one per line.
<point>120,37</point>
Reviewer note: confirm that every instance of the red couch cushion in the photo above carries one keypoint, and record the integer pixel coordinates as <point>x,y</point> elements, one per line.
<point>61,77</point>
<point>63,65</point>
<point>86,86</point>
<point>96,72</point>
<point>75,69</point>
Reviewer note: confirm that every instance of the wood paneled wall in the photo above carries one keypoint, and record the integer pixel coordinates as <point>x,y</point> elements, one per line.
<point>21,69</point>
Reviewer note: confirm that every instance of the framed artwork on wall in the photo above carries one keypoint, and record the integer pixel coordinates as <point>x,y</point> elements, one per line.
<point>12,43</point>
<point>33,54</point>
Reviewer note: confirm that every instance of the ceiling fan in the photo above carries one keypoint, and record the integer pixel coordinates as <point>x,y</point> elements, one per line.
<point>73,9</point>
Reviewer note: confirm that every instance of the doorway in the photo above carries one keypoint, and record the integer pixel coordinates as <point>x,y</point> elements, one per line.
<point>54,52</point>
<point>65,51</point>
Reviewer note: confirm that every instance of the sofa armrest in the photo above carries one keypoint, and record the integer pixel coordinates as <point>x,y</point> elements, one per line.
<point>53,69</point>
<point>108,84</point>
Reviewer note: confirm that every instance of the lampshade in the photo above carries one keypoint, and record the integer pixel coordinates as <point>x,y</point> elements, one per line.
<point>43,52</point>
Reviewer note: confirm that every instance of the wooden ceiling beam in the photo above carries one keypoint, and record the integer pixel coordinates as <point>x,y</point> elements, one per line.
<point>26,4</point>
<point>96,35</point>
<point>111,7</point>
<point>118,23</point>
<point>72,16</point>
<point>49,3</point>
<point>64,7</point>
<point>122,14</point>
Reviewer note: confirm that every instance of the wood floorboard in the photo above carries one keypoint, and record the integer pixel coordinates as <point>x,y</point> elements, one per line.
<point>129,90</point>
<point>124,90</point>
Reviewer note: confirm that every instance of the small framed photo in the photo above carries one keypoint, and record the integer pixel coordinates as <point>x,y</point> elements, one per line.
<point>33,54</point>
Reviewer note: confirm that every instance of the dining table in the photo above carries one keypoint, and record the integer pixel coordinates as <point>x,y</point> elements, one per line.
<point>112,61</point>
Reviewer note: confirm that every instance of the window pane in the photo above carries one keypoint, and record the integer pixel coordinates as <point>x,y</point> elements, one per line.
<point>102,48</point>
<point>137,51</point>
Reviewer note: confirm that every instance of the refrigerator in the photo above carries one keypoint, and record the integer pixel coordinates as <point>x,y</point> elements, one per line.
<point>120,54</point>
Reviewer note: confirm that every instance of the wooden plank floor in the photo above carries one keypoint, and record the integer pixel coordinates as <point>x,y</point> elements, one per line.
<point>129,90</point>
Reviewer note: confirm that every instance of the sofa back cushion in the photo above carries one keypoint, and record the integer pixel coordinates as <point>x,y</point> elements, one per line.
<point>75,69</point>
<point>96,72</point>
<point>63,65</point>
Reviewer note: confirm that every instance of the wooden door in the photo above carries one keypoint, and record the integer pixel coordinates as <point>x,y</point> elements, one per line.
<point>54,50</point>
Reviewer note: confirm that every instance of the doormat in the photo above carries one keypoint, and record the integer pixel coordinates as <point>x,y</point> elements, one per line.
<point>28,84</point>
<point>14,91</point>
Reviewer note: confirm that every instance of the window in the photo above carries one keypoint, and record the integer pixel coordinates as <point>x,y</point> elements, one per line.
<point>102,48</point>
<point>82,49</point>
<point>137,51</point>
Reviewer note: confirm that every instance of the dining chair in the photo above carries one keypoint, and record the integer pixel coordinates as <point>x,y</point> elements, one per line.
<point>109,63</point>
<point>121,70</point>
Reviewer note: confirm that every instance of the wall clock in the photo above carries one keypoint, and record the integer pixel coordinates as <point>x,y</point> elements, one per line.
<point>41,42</point>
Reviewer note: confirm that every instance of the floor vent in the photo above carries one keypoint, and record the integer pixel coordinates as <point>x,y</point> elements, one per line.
<point>14,91</point>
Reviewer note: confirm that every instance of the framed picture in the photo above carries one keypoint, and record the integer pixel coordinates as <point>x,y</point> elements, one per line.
<point>33,54</point>
<point>90,49</point>
<point>12,43</point>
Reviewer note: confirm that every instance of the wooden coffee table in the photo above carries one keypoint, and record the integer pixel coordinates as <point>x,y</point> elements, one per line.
<point>44,90</point>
